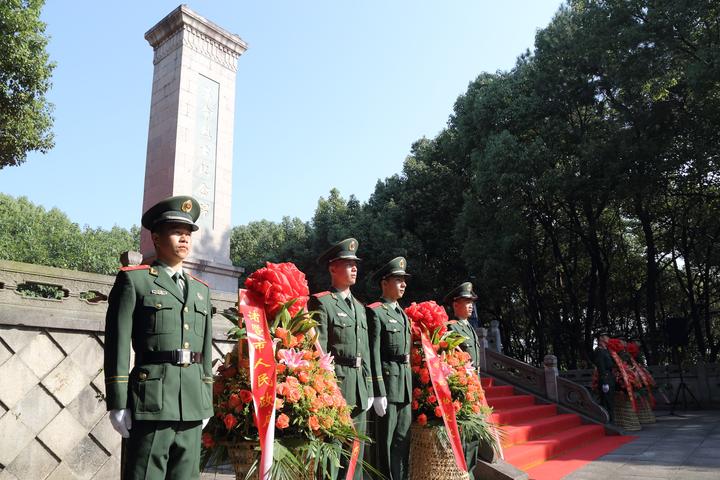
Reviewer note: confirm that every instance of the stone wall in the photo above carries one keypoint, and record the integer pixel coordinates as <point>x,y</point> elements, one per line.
<point>53,422</point>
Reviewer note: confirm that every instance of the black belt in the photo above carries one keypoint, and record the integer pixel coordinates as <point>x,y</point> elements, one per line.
<point>178,357</point>
<point>397,358</point>
<point>353,362</point>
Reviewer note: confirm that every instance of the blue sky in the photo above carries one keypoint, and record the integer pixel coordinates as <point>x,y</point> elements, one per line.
<point>329,94</point>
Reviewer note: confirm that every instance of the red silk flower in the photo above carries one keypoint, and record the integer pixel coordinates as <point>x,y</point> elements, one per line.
<point>427,315</point>
<point>633,349</point>
<point>278,283</point>
<point>615,345</point>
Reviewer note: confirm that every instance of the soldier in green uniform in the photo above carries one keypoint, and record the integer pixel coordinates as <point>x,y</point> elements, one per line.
<point>606,376</point>
<point>343,331</point>
<point>461,300</point>
<point>389,329</point>
<point>164,314</point>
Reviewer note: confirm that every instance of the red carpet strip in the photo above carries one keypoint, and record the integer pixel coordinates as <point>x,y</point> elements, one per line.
<point>538,440</point>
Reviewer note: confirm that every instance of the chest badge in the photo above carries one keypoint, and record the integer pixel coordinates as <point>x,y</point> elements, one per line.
<point>159,292</point>
<point>342,314</point>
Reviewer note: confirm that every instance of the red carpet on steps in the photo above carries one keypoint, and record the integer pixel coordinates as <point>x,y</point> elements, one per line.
<point>542,442</point>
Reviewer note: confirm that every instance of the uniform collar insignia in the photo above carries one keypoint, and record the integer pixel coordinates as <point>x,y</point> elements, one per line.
<point>153,271</point>
<point>199,295</point>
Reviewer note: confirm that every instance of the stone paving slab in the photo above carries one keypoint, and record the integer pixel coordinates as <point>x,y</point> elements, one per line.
<point>685,446</point>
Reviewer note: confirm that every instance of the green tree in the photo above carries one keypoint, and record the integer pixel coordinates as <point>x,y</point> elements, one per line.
<point>25,70</point>
<point>31,234</point>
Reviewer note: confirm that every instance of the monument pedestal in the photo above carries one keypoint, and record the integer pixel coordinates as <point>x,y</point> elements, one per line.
<point>190,136</point>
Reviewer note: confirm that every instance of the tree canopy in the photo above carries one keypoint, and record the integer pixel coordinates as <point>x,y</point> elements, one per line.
<point>25,70</point>
<point>578,191</point>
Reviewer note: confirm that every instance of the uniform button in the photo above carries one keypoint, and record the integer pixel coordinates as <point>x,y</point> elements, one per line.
<point>186,345</point>
<point>142,376</point>
<point>158,305</point>
<point>186,326</point>
<point>185,309</point>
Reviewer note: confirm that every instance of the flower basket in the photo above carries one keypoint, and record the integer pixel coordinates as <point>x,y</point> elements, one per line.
<point>625,417</point>
<point>242,454</point>
<point>430,459</point>
<point>645,414</point>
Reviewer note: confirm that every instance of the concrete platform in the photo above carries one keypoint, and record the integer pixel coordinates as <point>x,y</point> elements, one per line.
<point>685,446</point>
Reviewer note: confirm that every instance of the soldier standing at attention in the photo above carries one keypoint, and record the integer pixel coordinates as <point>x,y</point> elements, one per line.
<point>164,313</point>
<point>606,376</point>
<point>390,335</point>
<point>461,299</point>
<point>343,332</point>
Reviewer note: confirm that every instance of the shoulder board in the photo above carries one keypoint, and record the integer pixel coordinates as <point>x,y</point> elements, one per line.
<point>134,267</point>
<point>374,305</point>
<point>320,294</point>
<point>193,276</point>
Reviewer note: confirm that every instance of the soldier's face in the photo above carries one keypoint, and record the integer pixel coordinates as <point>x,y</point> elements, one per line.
<point>393,287</point>
<point>173,242</point>
<point>463,307</point>
<point>343,273</point>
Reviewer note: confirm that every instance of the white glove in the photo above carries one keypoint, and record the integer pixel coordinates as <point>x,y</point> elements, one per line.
<point>371,400</point>
<point>121,420</point>
<point>205,422</point>
<point>606,388</point>
<point>380,405</point>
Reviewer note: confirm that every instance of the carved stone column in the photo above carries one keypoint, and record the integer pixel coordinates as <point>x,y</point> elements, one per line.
<point>190,137</point>
<point>494,341</point>
<point>483,344</point>
<point>551,374</point>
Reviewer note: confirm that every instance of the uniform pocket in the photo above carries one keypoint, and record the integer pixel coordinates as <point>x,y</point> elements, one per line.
<point>159,315</point>
<point>201,312</point>
<point>149,388</point>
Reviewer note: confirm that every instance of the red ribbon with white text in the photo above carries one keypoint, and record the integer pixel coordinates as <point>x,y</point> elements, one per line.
<point>263,376</point>
<point>442,392</point>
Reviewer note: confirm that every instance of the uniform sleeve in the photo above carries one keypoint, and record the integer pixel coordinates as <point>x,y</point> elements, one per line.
<point>322,318</point>
<point>378,385</point>
<point>207,344</point>
<point>118,337</point>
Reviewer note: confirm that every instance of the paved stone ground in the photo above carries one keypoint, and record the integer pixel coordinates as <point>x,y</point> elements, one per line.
<point>685,446</point>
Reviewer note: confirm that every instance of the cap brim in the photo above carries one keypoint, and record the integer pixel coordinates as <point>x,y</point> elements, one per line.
<point>176,219</point>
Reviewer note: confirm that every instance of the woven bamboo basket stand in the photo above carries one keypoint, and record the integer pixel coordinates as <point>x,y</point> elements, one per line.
<point>625,417</point>
<point>242,455</point>
<point>645,414</point>
<point>429,459</point>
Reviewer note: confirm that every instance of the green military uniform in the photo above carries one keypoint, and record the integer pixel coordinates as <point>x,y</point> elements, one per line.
<point>166,324</point>
<point>343,332</point>
<point>471,346</point>
<point>390,335</point>
<point>606,376</point>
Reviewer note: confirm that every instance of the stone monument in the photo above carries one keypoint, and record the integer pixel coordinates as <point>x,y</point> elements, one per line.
<point>190,137</point>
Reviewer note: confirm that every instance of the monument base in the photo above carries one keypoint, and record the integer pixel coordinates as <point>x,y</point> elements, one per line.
<point>220,277</point>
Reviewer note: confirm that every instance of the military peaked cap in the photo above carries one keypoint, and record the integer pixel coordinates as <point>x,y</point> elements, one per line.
<point>464,290</point>
<point>396,266</point>
<point>180,209</point>
<point>344,250</point>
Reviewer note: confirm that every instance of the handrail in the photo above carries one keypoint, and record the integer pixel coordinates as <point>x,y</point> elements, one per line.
<point>534,380</point>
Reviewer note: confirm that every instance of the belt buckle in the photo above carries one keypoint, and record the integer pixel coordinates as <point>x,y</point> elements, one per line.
<point>407,358</point>
<point>358,362</point>
<point>184,357</point>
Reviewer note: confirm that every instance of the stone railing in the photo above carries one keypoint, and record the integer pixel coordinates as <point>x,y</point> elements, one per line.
<point>52,410</point>
<point>702,381</point>
<point>543,382</point>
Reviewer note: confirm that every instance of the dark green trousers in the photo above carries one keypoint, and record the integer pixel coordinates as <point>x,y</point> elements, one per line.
<point>394,441</point>
<point>359,418</point>
<point>163,450</point>
<point>470,448</point>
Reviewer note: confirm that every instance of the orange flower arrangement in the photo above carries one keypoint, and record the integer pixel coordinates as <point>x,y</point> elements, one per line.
<point>308,403</point>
